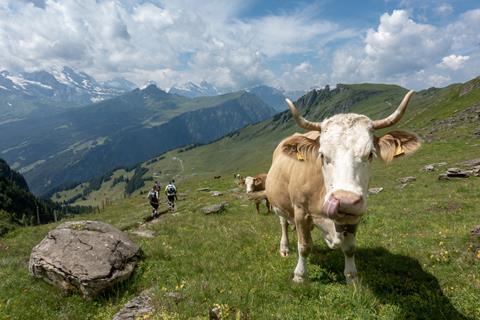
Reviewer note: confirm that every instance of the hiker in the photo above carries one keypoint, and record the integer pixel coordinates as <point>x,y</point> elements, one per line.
<point>171,193</point>
<point>153,198</point>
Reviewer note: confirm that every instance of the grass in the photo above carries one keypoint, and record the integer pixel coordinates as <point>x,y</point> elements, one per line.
<point>414,256</point>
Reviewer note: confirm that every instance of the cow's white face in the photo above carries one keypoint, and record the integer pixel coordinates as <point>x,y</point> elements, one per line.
<point>249,182</point>
<point>346,149</point>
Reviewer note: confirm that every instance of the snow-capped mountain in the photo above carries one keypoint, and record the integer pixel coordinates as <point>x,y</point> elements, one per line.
<point>64,85</point>
<point>193,90</point>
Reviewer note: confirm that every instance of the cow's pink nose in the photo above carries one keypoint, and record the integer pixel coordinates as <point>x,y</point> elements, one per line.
<point>347,198</point>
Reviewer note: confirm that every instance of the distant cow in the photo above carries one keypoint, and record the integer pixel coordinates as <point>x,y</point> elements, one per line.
<point>321,178</point>
<point>239,180</point>
<point>255,187</point>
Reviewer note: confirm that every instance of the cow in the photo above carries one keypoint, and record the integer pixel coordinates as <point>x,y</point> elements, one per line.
<point>320,178</point>
<point>255,186</point>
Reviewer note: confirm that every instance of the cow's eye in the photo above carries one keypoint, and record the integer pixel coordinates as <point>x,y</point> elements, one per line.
<point>370,156</point>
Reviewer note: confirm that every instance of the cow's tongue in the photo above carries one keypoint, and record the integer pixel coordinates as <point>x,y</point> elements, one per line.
<point>331,207</point>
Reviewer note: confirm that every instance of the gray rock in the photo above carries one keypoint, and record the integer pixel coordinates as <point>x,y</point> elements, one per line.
<point>429,168</point>
<point>216,193</point>
<point>144,233</point>
<point>214,208</point>
<point>406,180</point>
<point>85,256</point>
<point>175,296</point>
<point>375,190</point>
<point>475,232</point>
<point>471,163</point>
<point>137,308</point>
<point>203,189</point>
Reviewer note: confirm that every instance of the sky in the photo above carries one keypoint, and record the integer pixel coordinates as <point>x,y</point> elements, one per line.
<point>235,44</point>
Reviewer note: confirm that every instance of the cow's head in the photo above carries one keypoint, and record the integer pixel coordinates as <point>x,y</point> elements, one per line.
<point>252,183</point>
<point>345,149</point>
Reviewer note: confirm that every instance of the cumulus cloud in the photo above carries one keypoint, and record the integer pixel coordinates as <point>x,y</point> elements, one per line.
<point>453,62</point>
<point>444,9</point>
<point>417,55</point>
<point>170,42</point>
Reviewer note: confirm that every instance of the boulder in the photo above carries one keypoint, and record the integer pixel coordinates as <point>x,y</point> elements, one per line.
<point>84,256</point>
<point>214,208</point>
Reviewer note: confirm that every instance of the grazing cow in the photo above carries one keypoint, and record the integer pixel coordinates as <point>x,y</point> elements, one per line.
<point>239,180</point>
<point>321,178</point>
<point>255,187</point>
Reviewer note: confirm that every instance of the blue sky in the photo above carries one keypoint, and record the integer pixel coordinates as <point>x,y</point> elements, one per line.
<point>235,44</point>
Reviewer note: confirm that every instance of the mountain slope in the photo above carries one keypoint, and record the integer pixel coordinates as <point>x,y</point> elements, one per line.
<point>82,143</point>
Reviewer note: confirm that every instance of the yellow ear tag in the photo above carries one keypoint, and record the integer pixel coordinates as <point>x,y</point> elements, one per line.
<point>300,157</point>
<point>399,151</point>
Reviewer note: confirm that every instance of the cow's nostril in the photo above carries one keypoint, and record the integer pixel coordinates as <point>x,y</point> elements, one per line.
<point>357,200</point>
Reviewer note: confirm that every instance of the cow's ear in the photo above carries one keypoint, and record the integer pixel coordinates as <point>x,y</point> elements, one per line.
<point>396,144</point>
<point>257,181</point>
<point>301,148</point>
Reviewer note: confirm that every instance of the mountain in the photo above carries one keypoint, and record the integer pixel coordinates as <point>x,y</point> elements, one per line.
<point>18,206</point>
<point>82,143</point>
<point>275,98</point>
<point>22,94</point>
<point>432,113</point>
<point>192,90</point>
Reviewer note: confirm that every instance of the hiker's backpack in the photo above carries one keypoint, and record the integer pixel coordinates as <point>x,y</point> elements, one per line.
<point>171,190</point>
<point>152,196</point>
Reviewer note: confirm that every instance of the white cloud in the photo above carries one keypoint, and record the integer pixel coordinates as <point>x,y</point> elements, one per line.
<point>417,55</point>
<point>171,42</point>
<point>453,62</point>
<point>444,9</point>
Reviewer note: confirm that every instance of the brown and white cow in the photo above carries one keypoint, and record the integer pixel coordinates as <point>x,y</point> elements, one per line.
<point>321,178</point>
<point>254,187</point>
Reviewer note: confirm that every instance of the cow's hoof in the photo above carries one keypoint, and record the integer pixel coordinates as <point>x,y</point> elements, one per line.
<point>298,279</point>
<point>351,278</point>
<point>284,251</point>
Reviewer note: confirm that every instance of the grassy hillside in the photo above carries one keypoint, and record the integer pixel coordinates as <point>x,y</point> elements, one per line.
<point>416,258</point>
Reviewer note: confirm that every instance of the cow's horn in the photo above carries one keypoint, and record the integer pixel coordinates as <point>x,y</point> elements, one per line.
<point>396,116</point>
<point>301,121</point>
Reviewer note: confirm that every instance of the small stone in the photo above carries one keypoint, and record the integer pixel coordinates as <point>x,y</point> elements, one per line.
<point>375,190</point>
<point>139,307</point>
<point>408,179</point>
<point>215,313</point>
<point>203,189</point>
<point>214,208</point>
<point>475,231</point>
<point>176,296</point>
<point>471,163</point>
<point>144,233</point>
<point>216,193</point>
<point>429,168</point>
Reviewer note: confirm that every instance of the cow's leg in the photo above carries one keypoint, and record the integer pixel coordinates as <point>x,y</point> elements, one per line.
<point>303,223</point>
<point>257,205</point>
<point>348,248</point>
<point>284,240</point>
<point>267,203</point>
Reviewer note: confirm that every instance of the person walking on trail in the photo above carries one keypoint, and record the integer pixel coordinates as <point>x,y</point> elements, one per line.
<point>171,193</point>
<point>153,198</point>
